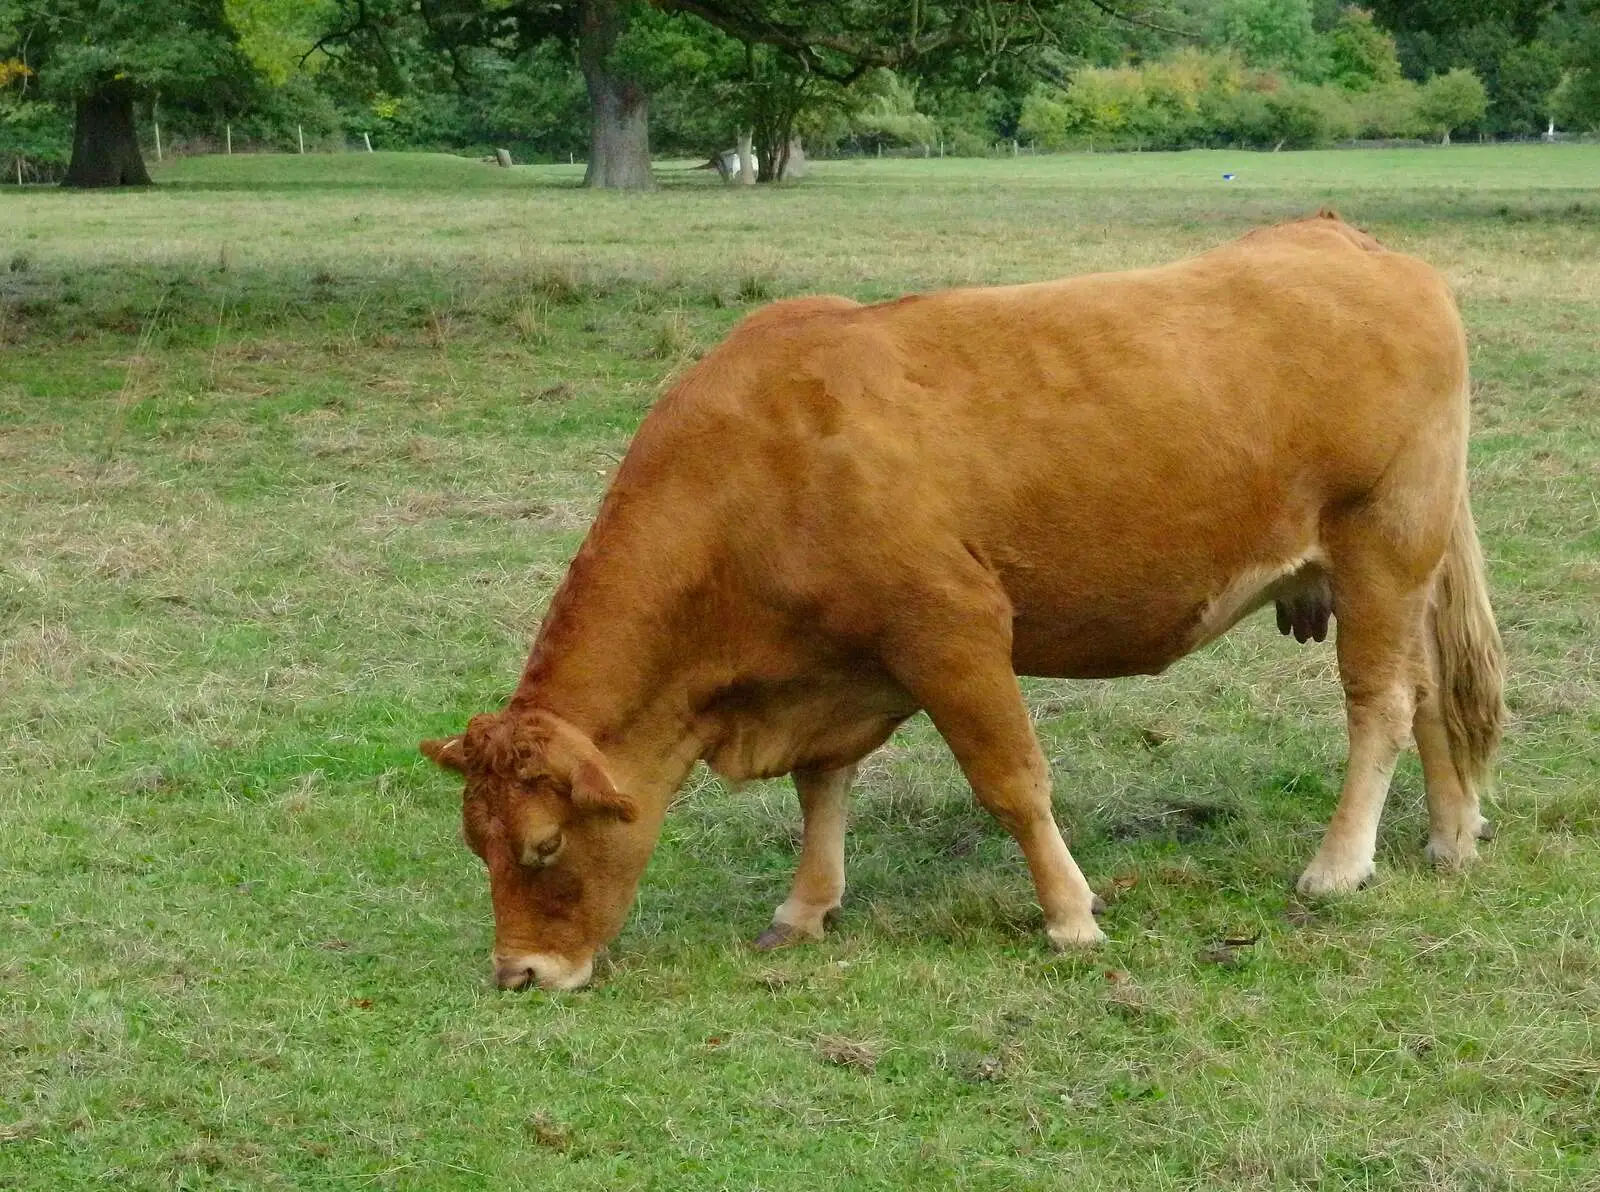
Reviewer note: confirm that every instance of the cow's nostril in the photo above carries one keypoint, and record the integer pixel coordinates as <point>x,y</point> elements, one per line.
<point>544,969</point>
<point>513,976</point>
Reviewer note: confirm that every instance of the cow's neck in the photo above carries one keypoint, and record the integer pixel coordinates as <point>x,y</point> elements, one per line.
<point>609,659</point>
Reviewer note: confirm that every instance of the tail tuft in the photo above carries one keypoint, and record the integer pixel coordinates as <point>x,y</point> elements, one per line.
<point>1471,657</point>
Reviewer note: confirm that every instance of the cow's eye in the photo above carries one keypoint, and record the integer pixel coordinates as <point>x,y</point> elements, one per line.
<point>536,854</point>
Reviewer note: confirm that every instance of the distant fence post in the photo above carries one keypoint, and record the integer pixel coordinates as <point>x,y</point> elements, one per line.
<point>229,128</point>
<point>368,139</point>
<point>158,140</point>
<point>301,133</point>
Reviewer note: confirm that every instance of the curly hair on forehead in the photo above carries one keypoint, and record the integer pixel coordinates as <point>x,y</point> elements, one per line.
<point>494,744</point>
<point>541,745</point>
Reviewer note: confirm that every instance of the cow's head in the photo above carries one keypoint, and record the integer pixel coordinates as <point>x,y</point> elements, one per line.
<point>565,849</point>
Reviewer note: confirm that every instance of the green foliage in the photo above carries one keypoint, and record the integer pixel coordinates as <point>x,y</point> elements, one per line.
<point>1387,111</point>
<point>1201,98</point>
<point>1273,34</point>
<point>970,119</point>
<point>276,35</point>
<point>1452,101</point>
<point>175,48</point>
<point>1298,116</point>
<point>534,103</point>
<point>36,131</point>
<point>1516,48</point>
<point>885,112</point>
<point>1524,85</point>
<point>1361,55</point>
<point>1576,103</point>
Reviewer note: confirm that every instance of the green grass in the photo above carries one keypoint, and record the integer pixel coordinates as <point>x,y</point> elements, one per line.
<point>294,451</point>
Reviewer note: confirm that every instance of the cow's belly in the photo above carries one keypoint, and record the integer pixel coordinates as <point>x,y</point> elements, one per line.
<point>1108,634</point>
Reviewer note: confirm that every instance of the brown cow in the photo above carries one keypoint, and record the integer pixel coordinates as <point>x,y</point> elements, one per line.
<point>847,513</point>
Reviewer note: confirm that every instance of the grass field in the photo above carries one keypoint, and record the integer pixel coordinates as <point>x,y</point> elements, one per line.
<point>292,452</point>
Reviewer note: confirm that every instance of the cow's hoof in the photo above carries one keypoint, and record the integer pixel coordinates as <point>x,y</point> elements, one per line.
<point>1320,880</point>
<point>1460,850</point>
<point>1446,852</point>
<point>1072,937</point>
<point>782,935</point>
<point>1098,906</point>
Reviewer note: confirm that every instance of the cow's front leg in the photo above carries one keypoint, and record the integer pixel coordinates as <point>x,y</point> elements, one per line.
<point>994,743</point>
<point>959,670</point>
<point>819,878</point>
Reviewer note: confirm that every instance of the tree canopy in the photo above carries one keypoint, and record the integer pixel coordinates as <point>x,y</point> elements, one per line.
<point>614,80</point>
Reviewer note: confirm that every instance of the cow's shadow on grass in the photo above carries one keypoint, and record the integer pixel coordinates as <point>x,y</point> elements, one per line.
<point>925,861</point>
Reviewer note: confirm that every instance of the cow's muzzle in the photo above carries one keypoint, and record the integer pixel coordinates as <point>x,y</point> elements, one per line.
<point>543,969</point>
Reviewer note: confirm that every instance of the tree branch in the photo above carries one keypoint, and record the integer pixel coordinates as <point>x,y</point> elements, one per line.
<point>804,42</point>
<point>363,23</point>
<point>1118,15</point>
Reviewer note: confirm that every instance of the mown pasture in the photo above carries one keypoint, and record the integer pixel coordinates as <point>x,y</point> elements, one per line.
<point>294,451</point>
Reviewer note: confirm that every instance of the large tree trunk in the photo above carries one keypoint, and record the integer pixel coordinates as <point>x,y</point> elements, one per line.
<point>105,147</point>
<point>619,109</point>
<point>773,139</point>
<point>747,158</point>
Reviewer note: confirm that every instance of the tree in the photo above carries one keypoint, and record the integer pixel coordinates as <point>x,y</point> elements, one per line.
<point>1451,100</point>
<point>619,105</point>
<point>1275,34</point>
<point>758,66</point>
<point>1576,101</point>
<point>1527,77</point>
<point>1361,55</point>
<point>838,42</point>
<point>382,36</point>
<point>103,56</point>
<point>886,112</point>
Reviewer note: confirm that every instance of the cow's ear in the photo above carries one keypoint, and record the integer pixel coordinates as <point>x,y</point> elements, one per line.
<point>446,752</point>
<point>564,752</point>
<point>593,790</point>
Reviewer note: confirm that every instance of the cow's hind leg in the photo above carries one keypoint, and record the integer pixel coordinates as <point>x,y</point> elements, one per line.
<point>1380,660</point>
<point>819,878</point>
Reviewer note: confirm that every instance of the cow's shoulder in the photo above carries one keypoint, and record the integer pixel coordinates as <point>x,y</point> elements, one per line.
<point>1341,260</point>
<point>793,313</point>
<point>1324,230</point>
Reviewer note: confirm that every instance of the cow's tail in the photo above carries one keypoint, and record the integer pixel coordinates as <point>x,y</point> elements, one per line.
<point>1471,660</point>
